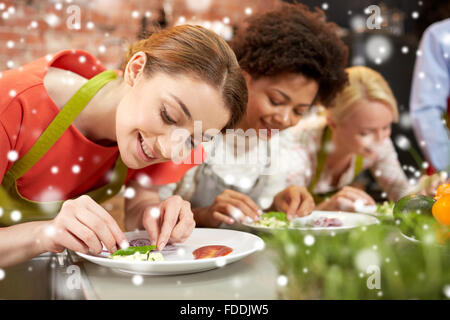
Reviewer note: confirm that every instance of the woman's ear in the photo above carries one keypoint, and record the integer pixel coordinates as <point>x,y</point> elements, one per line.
<point>135,68</point>
<point>247,77</point>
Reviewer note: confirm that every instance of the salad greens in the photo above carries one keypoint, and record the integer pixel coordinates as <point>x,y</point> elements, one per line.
<point>132,250</point>
<point>273,219</point>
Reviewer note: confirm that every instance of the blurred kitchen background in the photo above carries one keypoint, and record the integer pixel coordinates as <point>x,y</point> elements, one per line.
<point>30,29</point>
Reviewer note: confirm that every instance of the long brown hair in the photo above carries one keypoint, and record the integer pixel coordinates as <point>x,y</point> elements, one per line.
<point>195,50</point>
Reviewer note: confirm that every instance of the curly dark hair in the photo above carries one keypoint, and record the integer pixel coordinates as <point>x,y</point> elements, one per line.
<point>291,38</point>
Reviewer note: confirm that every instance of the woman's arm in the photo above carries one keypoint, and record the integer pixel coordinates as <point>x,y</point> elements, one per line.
<point>21,242</point>
<point>388,173</point>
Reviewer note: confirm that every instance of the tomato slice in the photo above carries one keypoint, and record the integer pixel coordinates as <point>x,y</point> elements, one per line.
<point>211,252</point>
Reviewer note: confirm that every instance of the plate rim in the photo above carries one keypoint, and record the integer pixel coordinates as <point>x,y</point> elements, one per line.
<point>194,261</point>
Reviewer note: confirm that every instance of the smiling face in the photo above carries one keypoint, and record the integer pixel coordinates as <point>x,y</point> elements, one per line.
<point>365,128</point>
<point>150,115</point>
<point>278,102</point>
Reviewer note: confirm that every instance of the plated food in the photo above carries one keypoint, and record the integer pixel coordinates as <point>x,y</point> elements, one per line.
<point>205,249</point>
<point>137,253</point>
<point>317,222</point>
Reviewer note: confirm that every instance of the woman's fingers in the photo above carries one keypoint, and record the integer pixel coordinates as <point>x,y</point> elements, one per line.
<point>112,225</point>
<point>69,241</point>
<point>151,222</point>
<point>101,229</point>
<point>345,204</point>
<point>246,199</point>
<point>185,225</point>
<point>243,207</point>
<point>357,194</point>
<point>307,205</point>
<point>86,235</point>
<point>222,217</point>
<point>170,214</point>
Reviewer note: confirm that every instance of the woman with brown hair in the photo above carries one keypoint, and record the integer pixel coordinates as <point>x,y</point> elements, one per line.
<point>69,131</point>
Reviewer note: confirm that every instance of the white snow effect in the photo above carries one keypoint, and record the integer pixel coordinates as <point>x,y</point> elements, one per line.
<point>2,274</point>
<point>16,215</point>
<point>137,279</point>
<point>309,240</point>
<point>366,258</point>
<point>282,280</point>
<point>13,155</point>
<point>446,290</point>
<point>155,212</point>
<point>54,169</point>
<point>325,6</point>
<point>220,262</point>
<point>76,169</point>
<point>248,11</point>
<point>129,193</point>
<point>402,142</point>
<point>12,93</point>
<point>1,212</point>
<point>415,15</point>
<point>144,180</point>
<point>135,14</point>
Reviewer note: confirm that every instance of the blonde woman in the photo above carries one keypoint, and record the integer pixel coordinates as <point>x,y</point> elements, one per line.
<point>351,136</point>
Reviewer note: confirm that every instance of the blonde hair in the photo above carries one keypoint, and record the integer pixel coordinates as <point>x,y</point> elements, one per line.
<point>364,84</point>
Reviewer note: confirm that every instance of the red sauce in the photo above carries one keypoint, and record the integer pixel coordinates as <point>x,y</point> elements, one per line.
<point>211,252</point>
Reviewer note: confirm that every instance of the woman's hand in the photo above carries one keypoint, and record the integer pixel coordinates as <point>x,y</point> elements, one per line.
<point>295,201</point>
<point>228,207</point>
<point>82,225</point>
<point>428,184</point>
<point>346,200</point>
<point>171,221</point>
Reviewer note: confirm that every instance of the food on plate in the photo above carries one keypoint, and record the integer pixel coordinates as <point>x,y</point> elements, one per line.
<point>386,208</point>
<point>273,219</point>
<point>325,222</point>
<point>140,242</point>
<point>211,252</point>
<point>141,253</point>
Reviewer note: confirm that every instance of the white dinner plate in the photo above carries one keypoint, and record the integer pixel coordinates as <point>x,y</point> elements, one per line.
<point>178,258</point>
<point>349,221</point>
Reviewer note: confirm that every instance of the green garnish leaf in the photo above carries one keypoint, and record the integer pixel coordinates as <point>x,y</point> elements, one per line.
<point>281,216</point>
<point>132,250</point>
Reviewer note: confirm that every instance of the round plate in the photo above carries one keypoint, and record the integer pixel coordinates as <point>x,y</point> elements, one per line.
<point>349,221</point>
<point>178,258</point>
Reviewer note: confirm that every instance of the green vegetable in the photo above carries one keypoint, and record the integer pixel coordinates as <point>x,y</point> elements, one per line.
<point>386,208</point>
<point>281,216</point>
<point>409,211</point>
<point>132,250</point>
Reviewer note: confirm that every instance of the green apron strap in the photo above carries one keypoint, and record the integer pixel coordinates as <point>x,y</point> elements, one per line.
<point>358,165</point>
<point>321,157</point>
<point>61,122</point>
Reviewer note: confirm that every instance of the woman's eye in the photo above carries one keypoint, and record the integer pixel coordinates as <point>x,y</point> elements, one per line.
<point>190,143</point>
<point>364,134</point>
<point>165,116</point>
<point>274,102</point>
<point>299,112</point>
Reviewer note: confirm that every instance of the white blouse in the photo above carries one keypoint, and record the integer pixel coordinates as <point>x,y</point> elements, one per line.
<point>306,138</point>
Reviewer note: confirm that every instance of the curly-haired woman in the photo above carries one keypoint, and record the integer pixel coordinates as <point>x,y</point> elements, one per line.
<point>291,59</point>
